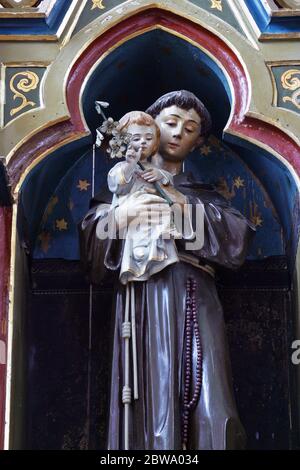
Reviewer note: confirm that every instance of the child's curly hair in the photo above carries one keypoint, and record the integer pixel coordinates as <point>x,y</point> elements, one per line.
<point>142,119</point>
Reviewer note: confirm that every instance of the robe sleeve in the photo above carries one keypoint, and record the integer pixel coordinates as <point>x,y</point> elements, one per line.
<point>223,236</point>
<point>99,256</point>
<point>117,183</point>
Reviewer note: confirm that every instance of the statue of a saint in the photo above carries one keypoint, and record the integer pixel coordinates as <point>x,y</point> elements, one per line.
<point>185,396</point>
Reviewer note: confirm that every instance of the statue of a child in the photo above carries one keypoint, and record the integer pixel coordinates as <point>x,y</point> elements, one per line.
<point>149,243</point>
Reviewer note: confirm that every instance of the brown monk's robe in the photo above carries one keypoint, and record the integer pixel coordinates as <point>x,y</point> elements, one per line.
<point>155,418</point>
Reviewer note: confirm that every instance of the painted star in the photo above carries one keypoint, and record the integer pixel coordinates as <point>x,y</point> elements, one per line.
<point>83,185</point>
<point>98,4</point>
<point>45,239</point>
<point>61,224</point>
<point>257,220</point>
<point>217,4</point>
<point>205,150</point>
<point>238,182</point>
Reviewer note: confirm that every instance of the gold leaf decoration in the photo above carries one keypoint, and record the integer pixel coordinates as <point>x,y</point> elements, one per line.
<point>98,4</point>
<point>49,209</point>
<point>205,150</point>
<point>45,239</point>
<point>291,82</point>
<point>238,182</point>
<point>83,185</point>
<point>216,4</point>
<point>28,82</point>
<point>61,224</point>
<point>255,215</point>
<point>224,189</point>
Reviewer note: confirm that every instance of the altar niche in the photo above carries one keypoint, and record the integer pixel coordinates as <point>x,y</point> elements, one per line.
<point>66,329</point>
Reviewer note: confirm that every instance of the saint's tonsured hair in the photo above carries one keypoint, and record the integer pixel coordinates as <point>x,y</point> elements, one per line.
<point>186,100</point>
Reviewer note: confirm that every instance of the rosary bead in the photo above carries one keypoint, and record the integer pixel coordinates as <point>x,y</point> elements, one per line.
<point>191,329</point>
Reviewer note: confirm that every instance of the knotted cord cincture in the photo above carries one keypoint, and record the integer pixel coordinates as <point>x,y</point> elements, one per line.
<point>128,332</point>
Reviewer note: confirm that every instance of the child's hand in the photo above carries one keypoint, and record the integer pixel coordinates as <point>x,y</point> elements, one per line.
<point>152,175</point>
<point>132,155</point>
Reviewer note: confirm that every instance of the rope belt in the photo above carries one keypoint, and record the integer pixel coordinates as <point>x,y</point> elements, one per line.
<point>128,331</point>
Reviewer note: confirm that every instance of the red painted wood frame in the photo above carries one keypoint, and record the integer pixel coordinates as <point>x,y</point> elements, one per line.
<point>251,128</point>
<point>5,235</point>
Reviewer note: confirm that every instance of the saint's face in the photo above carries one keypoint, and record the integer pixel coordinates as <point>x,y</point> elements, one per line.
<point>180,131</point>
<point>143,137</point>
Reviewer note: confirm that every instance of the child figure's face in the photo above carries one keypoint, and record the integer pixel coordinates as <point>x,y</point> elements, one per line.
<point>144,137</point>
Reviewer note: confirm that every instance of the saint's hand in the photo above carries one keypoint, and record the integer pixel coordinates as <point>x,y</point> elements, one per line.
<point>139,204</point>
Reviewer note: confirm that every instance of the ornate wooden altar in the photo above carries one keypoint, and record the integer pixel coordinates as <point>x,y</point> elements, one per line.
<point>57,57</point>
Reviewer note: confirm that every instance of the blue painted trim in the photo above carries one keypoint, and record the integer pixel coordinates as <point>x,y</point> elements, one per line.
<point>36,26</point>
<point>259,13</point>
<point>58,13</point>
<point>284,24</point>
<point>272,24</point>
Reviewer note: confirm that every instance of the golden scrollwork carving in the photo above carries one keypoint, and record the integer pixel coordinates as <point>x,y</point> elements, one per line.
<point>291,82</point>
<point>216,4</point>
<point>98,4</point>
<point>28,82</point>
